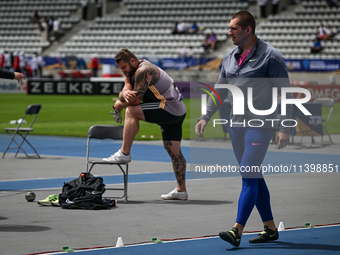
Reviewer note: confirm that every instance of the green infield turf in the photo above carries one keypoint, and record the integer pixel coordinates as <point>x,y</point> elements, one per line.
<point>69,115</point>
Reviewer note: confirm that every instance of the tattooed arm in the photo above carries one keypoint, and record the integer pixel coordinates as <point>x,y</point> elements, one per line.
<point>127,87</point>
<point>146,75</point>
<point>124,96</point>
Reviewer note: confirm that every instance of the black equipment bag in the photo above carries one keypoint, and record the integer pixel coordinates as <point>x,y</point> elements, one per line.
<point>85,192</point>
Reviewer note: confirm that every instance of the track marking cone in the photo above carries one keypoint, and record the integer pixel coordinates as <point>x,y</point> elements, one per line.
<point>309,225</point>
<point>119,242</point>
<point>155,240</point>
<point>281,227</point>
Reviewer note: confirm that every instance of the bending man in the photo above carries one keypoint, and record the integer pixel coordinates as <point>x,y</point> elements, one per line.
<point>150,95</point>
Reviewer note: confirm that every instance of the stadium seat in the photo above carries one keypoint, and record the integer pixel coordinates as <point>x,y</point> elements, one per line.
<point>23,131</point>
<point>107,132</point>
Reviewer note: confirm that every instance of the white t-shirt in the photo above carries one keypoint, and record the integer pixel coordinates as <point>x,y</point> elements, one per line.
<point>22,61</point>
<point>327,31</point>
<point>321,31</point>
<point>181,26</point>
<point>56,24</point>
<point>7,60</point>
<point>34,63</point>
<point>262,2</point>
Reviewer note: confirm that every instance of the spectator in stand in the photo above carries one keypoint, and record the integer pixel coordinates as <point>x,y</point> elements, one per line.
<point>328,32</point>
<point>35,17</point>
<point>190,52</point>
<point>190,56</point>
<point>209,43</point>
<point>206,42</point>
<point>84,6</point>
<point>16,62</point>
<point>40,61</point>
<point>322,33</point>
<point>185,55</point>
<point>317,47</point>
<point>186,52</point>
<point>181,28</point>
<point>183,51</point>
<point>22,62</point>
<point>50,26</point>
<point>94,65</point>
<point>56,29</point>
<point>332,3</point>
<point>2,59</point>
<point>275,6</point>
<point>99,5</point>
<point>174,31</point>
<point>212,41</point>
<point>193,28</point>
<point>34,65</point>
<point>182,55</point>
<point>12,60</point>
<point>263,7</point>
<point>316,32</point>
<point>8,61</point>
<point>43,29</point>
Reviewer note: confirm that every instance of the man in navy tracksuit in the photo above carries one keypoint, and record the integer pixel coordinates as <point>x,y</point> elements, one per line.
<point>257,65</point>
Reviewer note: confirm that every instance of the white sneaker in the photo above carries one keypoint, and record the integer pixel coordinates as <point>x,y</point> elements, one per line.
<point>118,157</point>
<point>117,116</point>
<point>175,195</point>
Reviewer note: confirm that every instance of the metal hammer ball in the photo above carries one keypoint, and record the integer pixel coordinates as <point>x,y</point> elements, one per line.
<point>30,196</point>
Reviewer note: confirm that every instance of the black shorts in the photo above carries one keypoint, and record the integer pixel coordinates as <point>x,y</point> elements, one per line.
<point>171,125</point>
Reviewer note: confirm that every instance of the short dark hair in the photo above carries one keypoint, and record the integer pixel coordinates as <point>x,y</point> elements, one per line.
<point>124,55</point>
<point>245,19</point>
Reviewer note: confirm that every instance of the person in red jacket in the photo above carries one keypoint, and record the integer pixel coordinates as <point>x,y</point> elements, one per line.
<point>94,65</point>
<point>2,59</point>
<point>16,62</point>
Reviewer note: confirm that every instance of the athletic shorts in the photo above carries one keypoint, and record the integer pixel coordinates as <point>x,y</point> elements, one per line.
<point>171,125</point>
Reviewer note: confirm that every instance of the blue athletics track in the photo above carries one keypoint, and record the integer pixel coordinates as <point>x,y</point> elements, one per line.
<point>192,226</point>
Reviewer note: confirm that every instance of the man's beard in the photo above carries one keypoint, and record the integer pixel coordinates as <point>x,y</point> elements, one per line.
<point>131,72</point>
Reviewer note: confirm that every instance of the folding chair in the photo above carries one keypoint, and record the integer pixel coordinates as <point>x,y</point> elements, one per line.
<point>23,131</point>
<point>328,103</point>
<point>107,132</point>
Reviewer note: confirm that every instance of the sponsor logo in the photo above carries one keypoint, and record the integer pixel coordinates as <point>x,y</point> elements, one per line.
<point>239,103</point>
